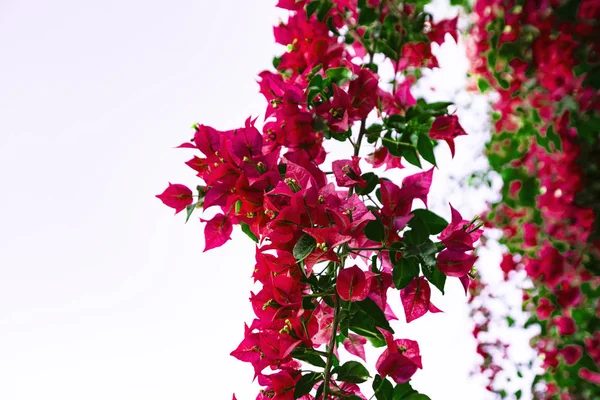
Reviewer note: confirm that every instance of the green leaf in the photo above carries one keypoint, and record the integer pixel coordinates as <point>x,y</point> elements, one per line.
<point>387,50</point>
<point>353,372</point>
<point>319,390</point>
<point>372,181</point>
<point>435,223</point>
<point>432,273</point>
<point>312,7</point>
<point>391,145</point>
<point>554,138</point>
<point>482,84</point>
<point>410,154</point>
<point>382,388</point>
<point>405,270</point>
<point>316,83</point>
<point>323,10</point>
<point>438,105</point>
<point>403,390</point>
<point>309,356</point>
<point>417,396</point>
<point>419,230</point>
<point>375,314</point>
<point>375,230</point>
<point>362,324</point>
<point>528,191</point>
<point>304,247</point>
<point>339,75</point>
<point>425,148</point>
<point>189,210</point>
<point>306,383</point>
<point>518,394</point>
<point>246,229</point>
<point>276,62</point>
<point>367,16</point>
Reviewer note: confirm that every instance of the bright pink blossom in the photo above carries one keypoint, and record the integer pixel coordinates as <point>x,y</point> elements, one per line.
<point>416,299</point>
<point>400,360</point>
<point>176,196</point>
<point>352,285</point>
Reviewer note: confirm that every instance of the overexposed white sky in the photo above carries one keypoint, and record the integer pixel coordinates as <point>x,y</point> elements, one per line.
<point>103,293</point>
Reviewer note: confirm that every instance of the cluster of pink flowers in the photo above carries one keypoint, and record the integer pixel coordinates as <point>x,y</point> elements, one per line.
<point>540,129</point>
<point>313,233</point>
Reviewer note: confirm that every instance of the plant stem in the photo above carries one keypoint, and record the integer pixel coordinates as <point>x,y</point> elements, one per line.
<point>331,347</point>
<point>361,134</point>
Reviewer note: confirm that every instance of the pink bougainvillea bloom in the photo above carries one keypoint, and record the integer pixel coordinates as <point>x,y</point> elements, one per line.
<point>565,325</point>
<point>438,30</point>
<point>176,196</point>
<point>382,156</point>
<point>363,91</point>
<point>327,239</point>
<point>455,263</point>
<point>354,344</point>
<point>447,128</point>
<point>400,360</point>
<point>416,299</point>
<point>417,186</point>
<point>459,240</point>
<point>347,173</point>
<point>351,284</point>
<point>217,231</point>
<point>458,223</point>
<point>507,264</point>
<point>571,353</point>
<point>403,97</point>
<point>466,282</point>
<point>593,377</point>
<point>544,309</point>
<point>569,296</point>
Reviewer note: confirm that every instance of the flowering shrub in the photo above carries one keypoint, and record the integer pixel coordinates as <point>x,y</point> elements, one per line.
<point>542,60</point>
<point>329,244</point>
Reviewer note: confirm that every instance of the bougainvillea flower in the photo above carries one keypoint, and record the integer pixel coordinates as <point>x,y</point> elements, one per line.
<point>352,285</point>
<point>569,296</point>
<point>544,309</point>
<point>565,325</point>
<point>438,30</point>
<point>347,173</point>
<point>398,102</point>
<point>417,186</point>
<point>458,223</point>
<point>382,156</point>
<point>281,386</point>
<point>176,196</point>
<point>400,360</point>
<point>416,299</point>
<point>354,344</point>
<point>335,110</point>
<point>447,128</point>
<point>571,353</point>
<point>363,91</point>
<point>417,55</point>
<point>507,264</point>
<point>589,376</point>
<point>327,239</point>
<point>217,231</point>
<point>394,201</point>
<point>455,263</point>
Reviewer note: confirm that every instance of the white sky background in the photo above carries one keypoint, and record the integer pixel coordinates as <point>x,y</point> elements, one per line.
<point>103,294</point>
